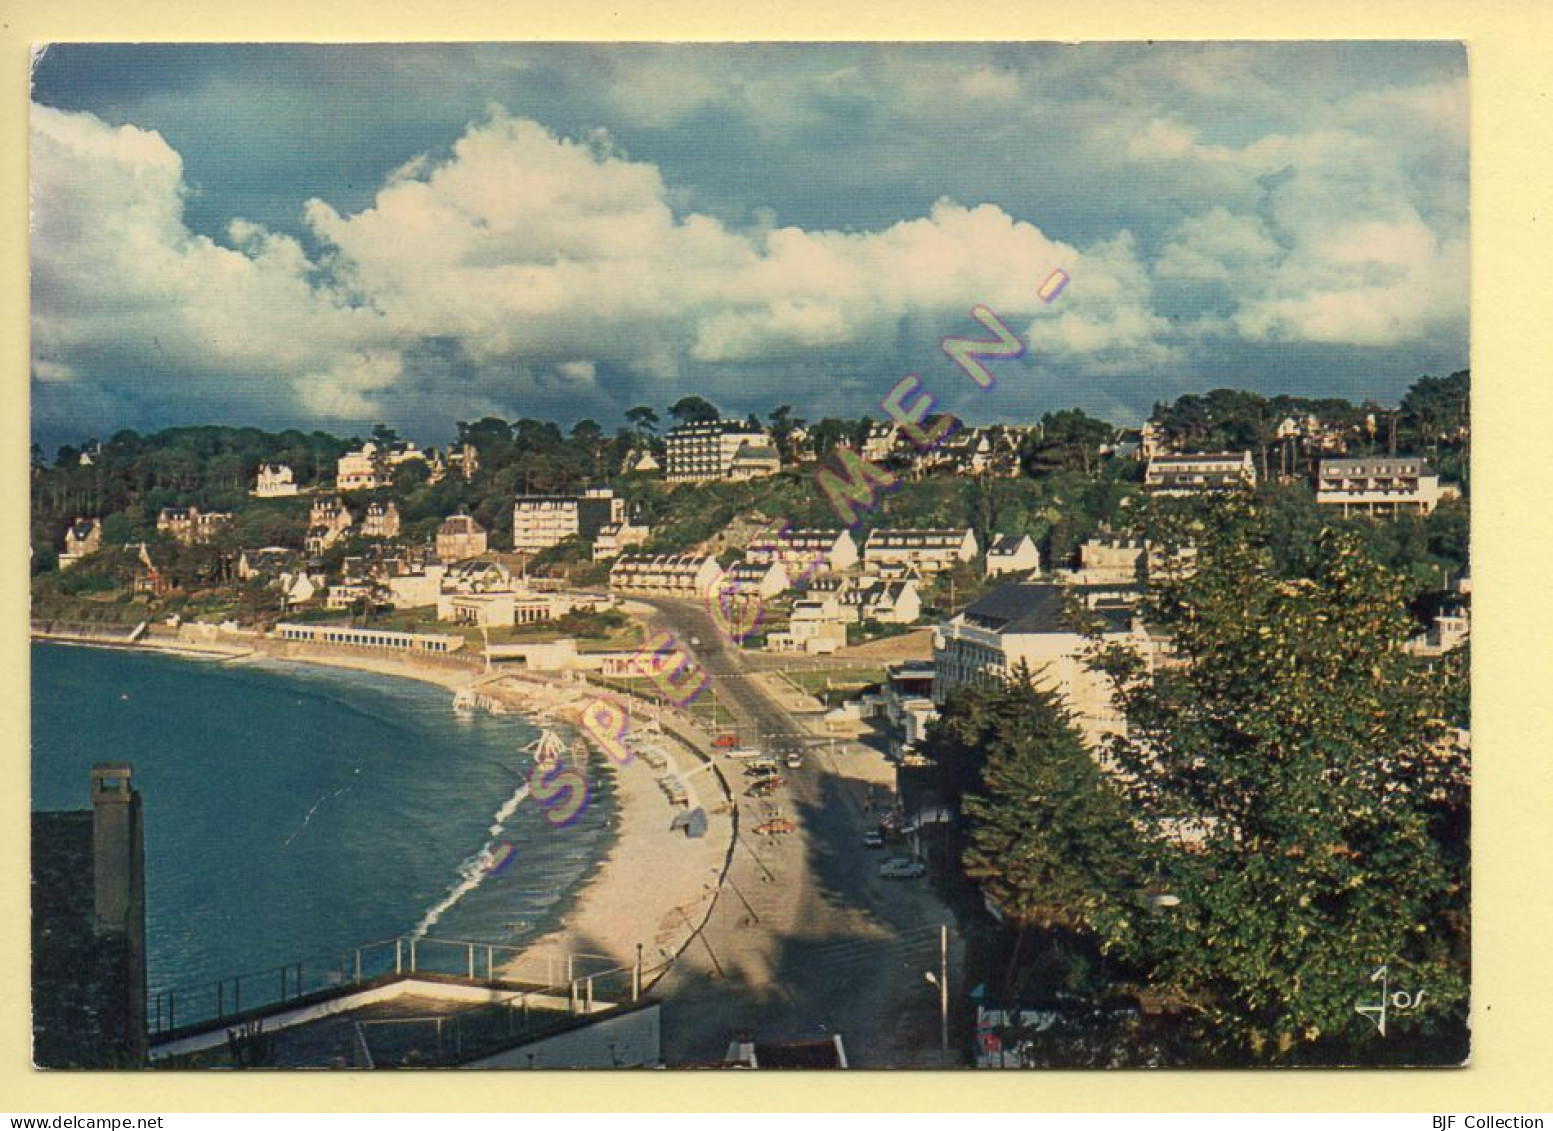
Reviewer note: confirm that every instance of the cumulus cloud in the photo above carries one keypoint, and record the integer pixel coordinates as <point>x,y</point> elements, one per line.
<point>116,272</point>
<point>522,261</point>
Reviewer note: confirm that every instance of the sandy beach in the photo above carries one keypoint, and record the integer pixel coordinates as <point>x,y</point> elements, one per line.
<point>656,885</point>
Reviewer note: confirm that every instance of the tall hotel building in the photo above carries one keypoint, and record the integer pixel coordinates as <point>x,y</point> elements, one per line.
<point>542,521</point>
<point>707,449</point>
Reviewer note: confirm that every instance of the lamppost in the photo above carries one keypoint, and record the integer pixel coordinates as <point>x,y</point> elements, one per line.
<point>941,980</point>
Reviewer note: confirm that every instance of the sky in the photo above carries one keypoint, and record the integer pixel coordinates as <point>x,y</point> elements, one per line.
<point>330,237</point>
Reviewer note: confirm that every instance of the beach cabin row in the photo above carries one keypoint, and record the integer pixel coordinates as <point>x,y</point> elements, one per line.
<point>369,638</point>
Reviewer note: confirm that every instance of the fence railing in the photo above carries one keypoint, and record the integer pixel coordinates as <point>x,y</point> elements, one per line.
<point>445,1037</point>
<point>172,1008</point>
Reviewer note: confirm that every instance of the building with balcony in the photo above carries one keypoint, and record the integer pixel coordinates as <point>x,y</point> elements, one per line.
<point>708,449</point>
<point>542,521</point>
<point>927,551</point>
<point>668,575</point>
<point>805,553</point>
<point>1378,485</point>
<point>1194,474</point>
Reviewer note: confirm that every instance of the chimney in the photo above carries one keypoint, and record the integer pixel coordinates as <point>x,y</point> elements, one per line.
<point>116,848</point>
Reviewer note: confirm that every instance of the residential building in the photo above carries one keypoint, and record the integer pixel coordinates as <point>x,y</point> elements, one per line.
<point>269,562</point>
<point>893,602</point>
<point>464,459</point>
<point>640,461</point>
<point>707,449</point>
<point>1111,559</point>
<point>459,537</point>
<point>190,525</point>
<point>756,579</point>
<point>82,537</point>
<point>755,461</point>
<point>615,537</point>
<point>1029,624</point>
<point>1193,474</point>
<point>275,481</point>
<point>300,587</point>
<point>671,575</point>
<point>925,550</point>
<point>1378,485</point>
<point>381,521</point>
<point>1013,553</point>
<point>805,553</point>
<point>880,442</point>
<point>373,465</point>
<point>542,521</point>
<point>1151,440</point>
<point>815,626</point>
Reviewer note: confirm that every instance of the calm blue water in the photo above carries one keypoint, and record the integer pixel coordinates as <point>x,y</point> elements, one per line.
<point>292,813</point>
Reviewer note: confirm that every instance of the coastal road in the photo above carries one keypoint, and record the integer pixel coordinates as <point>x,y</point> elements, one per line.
<point>805,939</point>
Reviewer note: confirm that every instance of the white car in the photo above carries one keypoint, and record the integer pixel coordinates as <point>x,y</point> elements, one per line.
<point>902,869</point>
<point>793,761</point>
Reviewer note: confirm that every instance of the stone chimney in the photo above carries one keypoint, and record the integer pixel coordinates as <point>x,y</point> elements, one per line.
<point>117,855</point>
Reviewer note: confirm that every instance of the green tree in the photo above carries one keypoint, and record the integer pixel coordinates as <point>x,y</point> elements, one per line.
<point>690,409</point>
<point>643,418</point>
<point>1290,761</point>
<point>1050,840</point>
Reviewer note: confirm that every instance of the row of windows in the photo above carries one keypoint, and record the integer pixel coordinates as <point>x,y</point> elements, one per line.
<point>363,639</point>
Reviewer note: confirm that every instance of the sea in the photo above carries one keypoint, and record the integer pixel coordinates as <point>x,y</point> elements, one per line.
<point>294,813</point>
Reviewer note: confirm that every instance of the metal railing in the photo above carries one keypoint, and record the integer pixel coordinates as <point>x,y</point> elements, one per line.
<point>169,1009</point>
<point>448,1037</point>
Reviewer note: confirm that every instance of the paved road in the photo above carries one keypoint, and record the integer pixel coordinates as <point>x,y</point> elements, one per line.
<point>806,939</point>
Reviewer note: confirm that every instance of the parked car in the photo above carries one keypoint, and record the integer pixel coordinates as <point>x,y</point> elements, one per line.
<point>873,840</point>
<point>765,787</point>
<point>777,827</point>
<point>902,869</point>
<point>726,741</point>
<point>793,761</point>
<point>761,770</point>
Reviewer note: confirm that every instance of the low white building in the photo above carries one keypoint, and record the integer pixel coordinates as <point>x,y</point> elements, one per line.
<point>1378,485</point>
<point>812,552</point>
<point>668,575</point>
<point>1193,474</point>
<point>1013,553</point>
<point>925,550</point>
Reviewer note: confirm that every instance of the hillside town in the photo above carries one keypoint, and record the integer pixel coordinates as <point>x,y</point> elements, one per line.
<point>1022,557</point>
